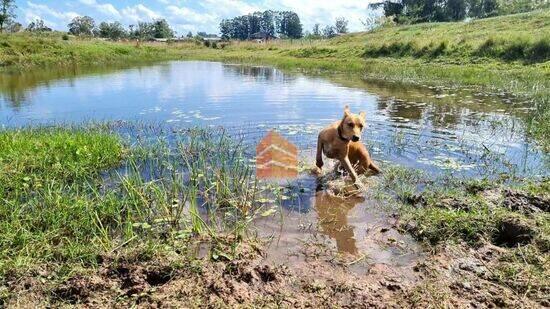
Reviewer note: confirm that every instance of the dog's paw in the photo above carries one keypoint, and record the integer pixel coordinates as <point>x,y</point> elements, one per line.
<point>317,171</point>
<point>360,186</point>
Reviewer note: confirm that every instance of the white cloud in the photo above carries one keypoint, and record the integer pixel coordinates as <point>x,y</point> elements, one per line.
<point>105,8</point>
<point>140,12</point>
<point>205,15</point>
<point>325,12</point>
<point>41,11</point>
<point>230,8</point>
<point>186,15</point>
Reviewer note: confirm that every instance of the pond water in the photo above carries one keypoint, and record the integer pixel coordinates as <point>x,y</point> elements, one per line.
<point>436,130</point>
<point>439,131</point>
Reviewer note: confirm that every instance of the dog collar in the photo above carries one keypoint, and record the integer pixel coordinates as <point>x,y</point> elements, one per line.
<point>340,135</point>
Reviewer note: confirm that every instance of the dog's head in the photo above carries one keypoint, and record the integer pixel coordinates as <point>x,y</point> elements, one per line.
<point>352,125</point>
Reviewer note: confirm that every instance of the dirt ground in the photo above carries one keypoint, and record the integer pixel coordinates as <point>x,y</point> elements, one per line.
<point>454,277</point>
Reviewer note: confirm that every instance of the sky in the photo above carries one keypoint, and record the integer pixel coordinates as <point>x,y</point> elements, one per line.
<point>187,15</point>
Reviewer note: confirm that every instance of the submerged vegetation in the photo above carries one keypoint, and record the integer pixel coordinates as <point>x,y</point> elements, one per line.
<point>73,195</point>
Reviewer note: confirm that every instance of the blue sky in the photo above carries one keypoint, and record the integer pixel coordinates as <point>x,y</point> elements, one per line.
<point>187,15</point>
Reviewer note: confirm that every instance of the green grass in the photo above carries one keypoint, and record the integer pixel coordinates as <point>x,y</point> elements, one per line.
<point>449,211</point>
<point>48,210</point>
<point>72,196</point>
<point>24,51</point>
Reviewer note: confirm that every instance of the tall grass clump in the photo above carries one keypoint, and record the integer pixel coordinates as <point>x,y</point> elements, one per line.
<point>70,196</point>
<point>515,50</point>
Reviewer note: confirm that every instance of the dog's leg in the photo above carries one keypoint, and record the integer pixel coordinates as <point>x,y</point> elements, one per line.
<point>319,157</point>
<point>375,168</point>
<point>350,169</point>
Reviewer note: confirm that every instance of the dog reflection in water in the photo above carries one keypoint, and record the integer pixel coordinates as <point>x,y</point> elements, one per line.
<point>333,219</point>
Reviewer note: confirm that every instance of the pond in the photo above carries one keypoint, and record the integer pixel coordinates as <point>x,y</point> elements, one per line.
<point>436,130</point>
<point>439,131</point>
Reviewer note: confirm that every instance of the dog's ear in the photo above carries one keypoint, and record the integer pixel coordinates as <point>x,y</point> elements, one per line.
<point>363,115</point>
<point>346,111</point>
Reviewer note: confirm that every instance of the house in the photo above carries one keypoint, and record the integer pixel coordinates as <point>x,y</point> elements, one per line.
<point>212,39</point>
<point>261,37</point>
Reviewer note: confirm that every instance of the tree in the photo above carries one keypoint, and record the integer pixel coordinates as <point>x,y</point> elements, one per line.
<point>113,31</point>
<point>481,8</point>
<point>341,25</point>
<point>455,9</point>
<point>162,30</point>
<point>7,12</point>
<point>82,25</point>
<point>269,23</point>
<point>329,32</point>
<point>38,26</point>
<point>144,31</point>
<point>316,30</point>
<point>13,27</point>
<point>189,35</point>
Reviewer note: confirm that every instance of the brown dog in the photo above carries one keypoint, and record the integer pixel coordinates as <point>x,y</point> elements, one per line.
<point>340,141</point>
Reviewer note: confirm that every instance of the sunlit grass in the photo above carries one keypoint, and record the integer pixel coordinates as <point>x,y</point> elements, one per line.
<point>70,196</point>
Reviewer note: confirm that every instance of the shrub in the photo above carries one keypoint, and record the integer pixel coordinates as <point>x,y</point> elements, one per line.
<point>207,43</point>
<point>486,49</point>
<point>539,51</point>
<point>439,50</point>
<point>65,37</point>
<point>514,51</point>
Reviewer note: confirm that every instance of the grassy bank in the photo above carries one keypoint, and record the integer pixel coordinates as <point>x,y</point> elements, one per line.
<point>506,52</point>
<point>24,51</point>
<point>478,213</point>
<point>73,196</point>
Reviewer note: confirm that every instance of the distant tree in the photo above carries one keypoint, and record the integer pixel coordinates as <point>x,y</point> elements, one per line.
<point>269,23</point>
<point>341,25</point>
<point>316,30</point>
<point>82,25</point>
<point>38,26</point>
<point>7,12</point>
<point>113,31</point>
<point>189,35</point>
<point>144,31</point>
<point>289,25</point>
<point>482,8</point>
<point>226,29</point>
<point>329,32</point>
<point>13,27</point>
<point>162,30</point>
<point>455,9</point>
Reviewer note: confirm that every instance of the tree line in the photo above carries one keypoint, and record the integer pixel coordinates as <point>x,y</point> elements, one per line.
<point>340,27</point>
<point>269,24</point>
<point>85,25</point>
<point>418,11</point>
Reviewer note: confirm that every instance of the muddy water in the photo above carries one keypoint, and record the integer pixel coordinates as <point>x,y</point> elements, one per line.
<point>436,130</point>
<point>355,232</point>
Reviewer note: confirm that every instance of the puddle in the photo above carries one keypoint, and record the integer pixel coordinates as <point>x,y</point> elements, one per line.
<point>356,232</point>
